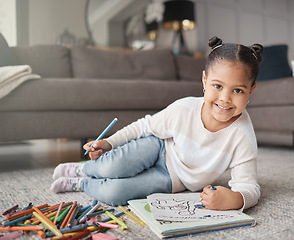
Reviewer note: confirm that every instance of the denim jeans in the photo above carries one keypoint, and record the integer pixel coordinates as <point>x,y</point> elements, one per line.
<point>131,171</point>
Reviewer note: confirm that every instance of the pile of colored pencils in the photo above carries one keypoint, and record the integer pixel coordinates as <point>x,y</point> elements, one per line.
<point>66,220</point>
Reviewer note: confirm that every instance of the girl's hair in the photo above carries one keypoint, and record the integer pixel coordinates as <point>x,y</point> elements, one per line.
<point>249,56</point>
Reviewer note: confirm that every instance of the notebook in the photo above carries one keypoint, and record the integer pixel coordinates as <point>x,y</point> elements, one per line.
<point>172,215</point>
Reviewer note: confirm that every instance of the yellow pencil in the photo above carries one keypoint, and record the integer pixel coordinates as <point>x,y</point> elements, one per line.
<point>131,215</point>
<point>48,225</point>
<point>116,219</point>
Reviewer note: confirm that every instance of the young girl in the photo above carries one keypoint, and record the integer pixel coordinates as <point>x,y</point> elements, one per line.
<point>186,146</point>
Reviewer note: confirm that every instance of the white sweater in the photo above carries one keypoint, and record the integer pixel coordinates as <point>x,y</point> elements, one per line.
<point>196,157</point>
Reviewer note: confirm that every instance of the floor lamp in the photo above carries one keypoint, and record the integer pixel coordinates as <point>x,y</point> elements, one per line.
<point>179,16</point>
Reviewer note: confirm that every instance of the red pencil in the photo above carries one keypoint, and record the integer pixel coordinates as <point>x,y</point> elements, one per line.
<point>10,210</point>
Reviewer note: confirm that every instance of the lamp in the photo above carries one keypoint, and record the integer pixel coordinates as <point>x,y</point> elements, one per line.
<point>179,16</point>
<point>151,30</point>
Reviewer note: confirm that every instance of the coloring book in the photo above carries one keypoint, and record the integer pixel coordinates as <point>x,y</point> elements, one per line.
<point>180,214</point>
<point>184,207</point>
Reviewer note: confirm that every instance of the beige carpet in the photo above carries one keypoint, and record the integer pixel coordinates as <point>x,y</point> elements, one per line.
<point>274,212</point>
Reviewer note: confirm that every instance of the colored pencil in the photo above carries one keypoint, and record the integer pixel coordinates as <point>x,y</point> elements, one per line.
<point>65,220</point>
<point>26,212</point>
<point>21,228</point>
<point>43,216</point>
<point>58,212</point>
<point>48,224</point>
<point>116,219</point>
<point>10,210</point>
<point>131,215</point>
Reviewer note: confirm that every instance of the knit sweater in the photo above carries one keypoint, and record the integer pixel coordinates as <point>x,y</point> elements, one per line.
<point>196,157</point>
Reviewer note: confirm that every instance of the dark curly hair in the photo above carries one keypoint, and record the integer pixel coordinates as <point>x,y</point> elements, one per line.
<point>249,56</point>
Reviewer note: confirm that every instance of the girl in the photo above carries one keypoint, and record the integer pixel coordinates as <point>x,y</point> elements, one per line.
<point>186,146</point>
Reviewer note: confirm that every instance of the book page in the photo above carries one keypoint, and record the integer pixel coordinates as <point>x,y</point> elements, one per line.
<point>184,207</point>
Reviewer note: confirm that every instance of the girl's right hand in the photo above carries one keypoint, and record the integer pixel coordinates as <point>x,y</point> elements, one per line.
<point>98,149</point>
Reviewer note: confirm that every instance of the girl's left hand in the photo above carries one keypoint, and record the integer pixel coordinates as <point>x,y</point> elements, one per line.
<point>221,199</point>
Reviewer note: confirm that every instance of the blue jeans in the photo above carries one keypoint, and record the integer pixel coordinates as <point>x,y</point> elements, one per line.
<point>132,171</point>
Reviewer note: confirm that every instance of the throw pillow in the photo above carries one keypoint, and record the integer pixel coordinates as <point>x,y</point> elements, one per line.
<point>275,63</point>
<point>6,56</point>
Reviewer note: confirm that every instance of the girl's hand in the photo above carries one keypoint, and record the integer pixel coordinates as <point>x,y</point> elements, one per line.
<point>221,199</point>
<point>98,149</point>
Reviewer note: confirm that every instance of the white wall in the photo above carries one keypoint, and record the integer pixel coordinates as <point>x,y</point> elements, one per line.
<point>49,18</point>
<point>242,21</point>
<point>246,22</point>
<point>8,21</point>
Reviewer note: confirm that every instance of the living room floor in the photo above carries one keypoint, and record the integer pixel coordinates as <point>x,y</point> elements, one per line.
<point>36,154</point>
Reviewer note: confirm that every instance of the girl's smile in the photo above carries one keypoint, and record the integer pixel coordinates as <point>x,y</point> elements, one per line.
<point>227,89</point>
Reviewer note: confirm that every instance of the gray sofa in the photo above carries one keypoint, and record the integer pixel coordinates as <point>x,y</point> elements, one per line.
<point>83,89</point>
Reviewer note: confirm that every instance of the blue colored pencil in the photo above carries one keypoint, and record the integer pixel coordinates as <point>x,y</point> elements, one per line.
<point>103,133</point>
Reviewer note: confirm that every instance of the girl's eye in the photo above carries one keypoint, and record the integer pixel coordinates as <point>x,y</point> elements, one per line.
<point>238,90</point>
<point>217,86</point>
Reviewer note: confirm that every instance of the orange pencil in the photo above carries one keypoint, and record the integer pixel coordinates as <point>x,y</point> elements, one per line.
<point>65,221</point>
<point>58,212</point>
<point>21,228</point>
<point>43,215</point>
<point>26,212</point>
<point>68,224</point>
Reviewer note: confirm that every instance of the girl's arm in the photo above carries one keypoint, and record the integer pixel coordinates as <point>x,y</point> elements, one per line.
<point>244,192</point>
<point>221,199</point>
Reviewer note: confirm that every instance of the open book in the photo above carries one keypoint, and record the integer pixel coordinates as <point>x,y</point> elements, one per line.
<point>171,215</point>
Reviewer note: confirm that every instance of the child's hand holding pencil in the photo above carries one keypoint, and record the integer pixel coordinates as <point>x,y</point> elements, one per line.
<point>99,147</point>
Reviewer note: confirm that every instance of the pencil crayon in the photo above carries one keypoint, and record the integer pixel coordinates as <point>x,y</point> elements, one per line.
<point>69,230</point>
<point>10,210</point>
<point>116,219</point>
<point>89,212</point>
<point>99,212</point>
<point>26,212</point>
<point>65,220</point>
<point>43,216</point>
<point>16,220</point>
<point>28,207</point>
<point>110,219</point>
<point>63,214</point>
<point>84,213</point>
<point>107,225</point>
<point>48,224</point>
<point>71,223</point>
<point>21,228</point>
<point>131,215</point>
<point>58,212</point>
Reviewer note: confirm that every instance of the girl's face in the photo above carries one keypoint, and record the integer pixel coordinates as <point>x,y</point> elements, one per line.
<point>227,90</point>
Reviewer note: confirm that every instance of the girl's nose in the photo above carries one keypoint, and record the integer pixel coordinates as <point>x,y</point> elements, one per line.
<point>225,96</point>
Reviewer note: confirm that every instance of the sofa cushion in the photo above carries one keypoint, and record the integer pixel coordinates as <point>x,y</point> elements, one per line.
<point>6,57</point>
<point>189,68</point>
<point>67,94</point>
<point>277,92</point>
<point>45,60</point>
<point>148,64</point>
<point>275,63</point>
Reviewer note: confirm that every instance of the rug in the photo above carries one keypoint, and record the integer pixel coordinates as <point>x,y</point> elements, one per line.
<point>273,214</point>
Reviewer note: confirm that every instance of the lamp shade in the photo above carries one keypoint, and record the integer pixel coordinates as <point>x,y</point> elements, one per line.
<point>179,15</point>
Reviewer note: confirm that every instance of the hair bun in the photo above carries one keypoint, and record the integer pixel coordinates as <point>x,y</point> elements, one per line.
<point>215,42</point>
<point>257,49</point>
